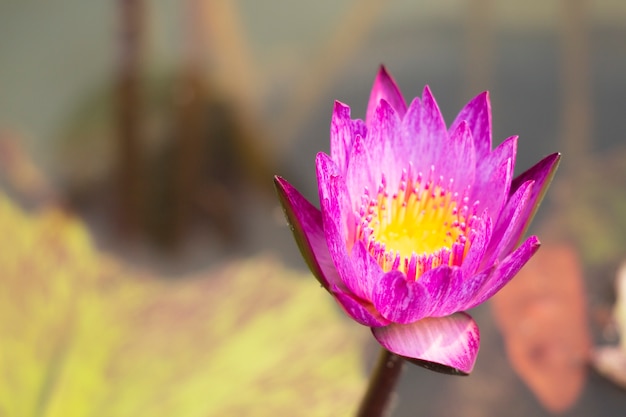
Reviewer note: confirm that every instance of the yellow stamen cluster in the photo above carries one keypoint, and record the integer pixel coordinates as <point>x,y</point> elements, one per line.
<point>421,226</point>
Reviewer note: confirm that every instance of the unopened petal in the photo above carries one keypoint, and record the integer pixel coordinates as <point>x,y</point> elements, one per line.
<point>446,344</point>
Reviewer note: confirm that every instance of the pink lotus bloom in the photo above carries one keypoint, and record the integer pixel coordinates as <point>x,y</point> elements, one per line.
<point>418,222</point>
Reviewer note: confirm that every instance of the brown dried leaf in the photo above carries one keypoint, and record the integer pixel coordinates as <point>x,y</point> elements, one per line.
<point>542,317</point>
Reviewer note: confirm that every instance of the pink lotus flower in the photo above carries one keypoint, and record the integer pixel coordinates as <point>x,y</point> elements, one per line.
<point>418,222</point>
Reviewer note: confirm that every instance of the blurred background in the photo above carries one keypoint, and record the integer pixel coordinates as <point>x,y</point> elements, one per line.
<point>157,127</point>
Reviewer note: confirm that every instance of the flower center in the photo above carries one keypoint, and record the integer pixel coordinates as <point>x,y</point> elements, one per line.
<point>421,226</point>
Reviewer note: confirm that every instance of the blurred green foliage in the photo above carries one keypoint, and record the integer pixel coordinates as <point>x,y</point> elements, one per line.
<point>83,335</point>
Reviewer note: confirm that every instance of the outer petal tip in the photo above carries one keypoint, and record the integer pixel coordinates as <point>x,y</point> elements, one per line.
<point>280,183</point>
<point>534,242</point>
<point>477,112</point>
<point>385,88</point>
<point>427,92</point>
<point>549,164</point>
<point>556,158</point>
<point>448,344</point>
<point>483,101</point>
<point>542,172</point>
<point>342,132</point>
<point>341,109</point>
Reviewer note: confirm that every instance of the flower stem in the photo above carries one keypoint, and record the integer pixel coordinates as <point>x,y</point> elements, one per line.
<point>376,401</point>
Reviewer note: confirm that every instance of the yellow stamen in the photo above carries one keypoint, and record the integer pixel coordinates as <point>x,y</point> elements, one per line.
<point>421,226</point>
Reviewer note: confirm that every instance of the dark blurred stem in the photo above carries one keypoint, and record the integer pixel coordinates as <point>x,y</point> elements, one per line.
<point>377,399</point>
<point>190,135</point>
<point>129,114</point>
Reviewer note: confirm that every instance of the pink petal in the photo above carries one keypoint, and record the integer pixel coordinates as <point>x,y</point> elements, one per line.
<point>350,278</point>
<point>384,88</point>
<point>334,196</point>
<point>306,224</point>
<point>359,310</point>
<point>508,229</point>
<point>359,128</point>
<point>448,344</point>
<point>486,166</point>
<point>368,271</point>
<point>517,219</point>
<point>477,113</point>
<point>338,222</point>
<point>359,172</point>
<point>505,271</point>
<point>440,285</point>
<point>464,290</point>
<point>382,145</point>
<point>459,159</point>
<point>399,300</point>
<point>341,135</point>
<point>408,142</point>
<point>480,240</point>
<point>542,174</point>
<point>432,124</point>
<point>493,177</point>
<point>424,132</point>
